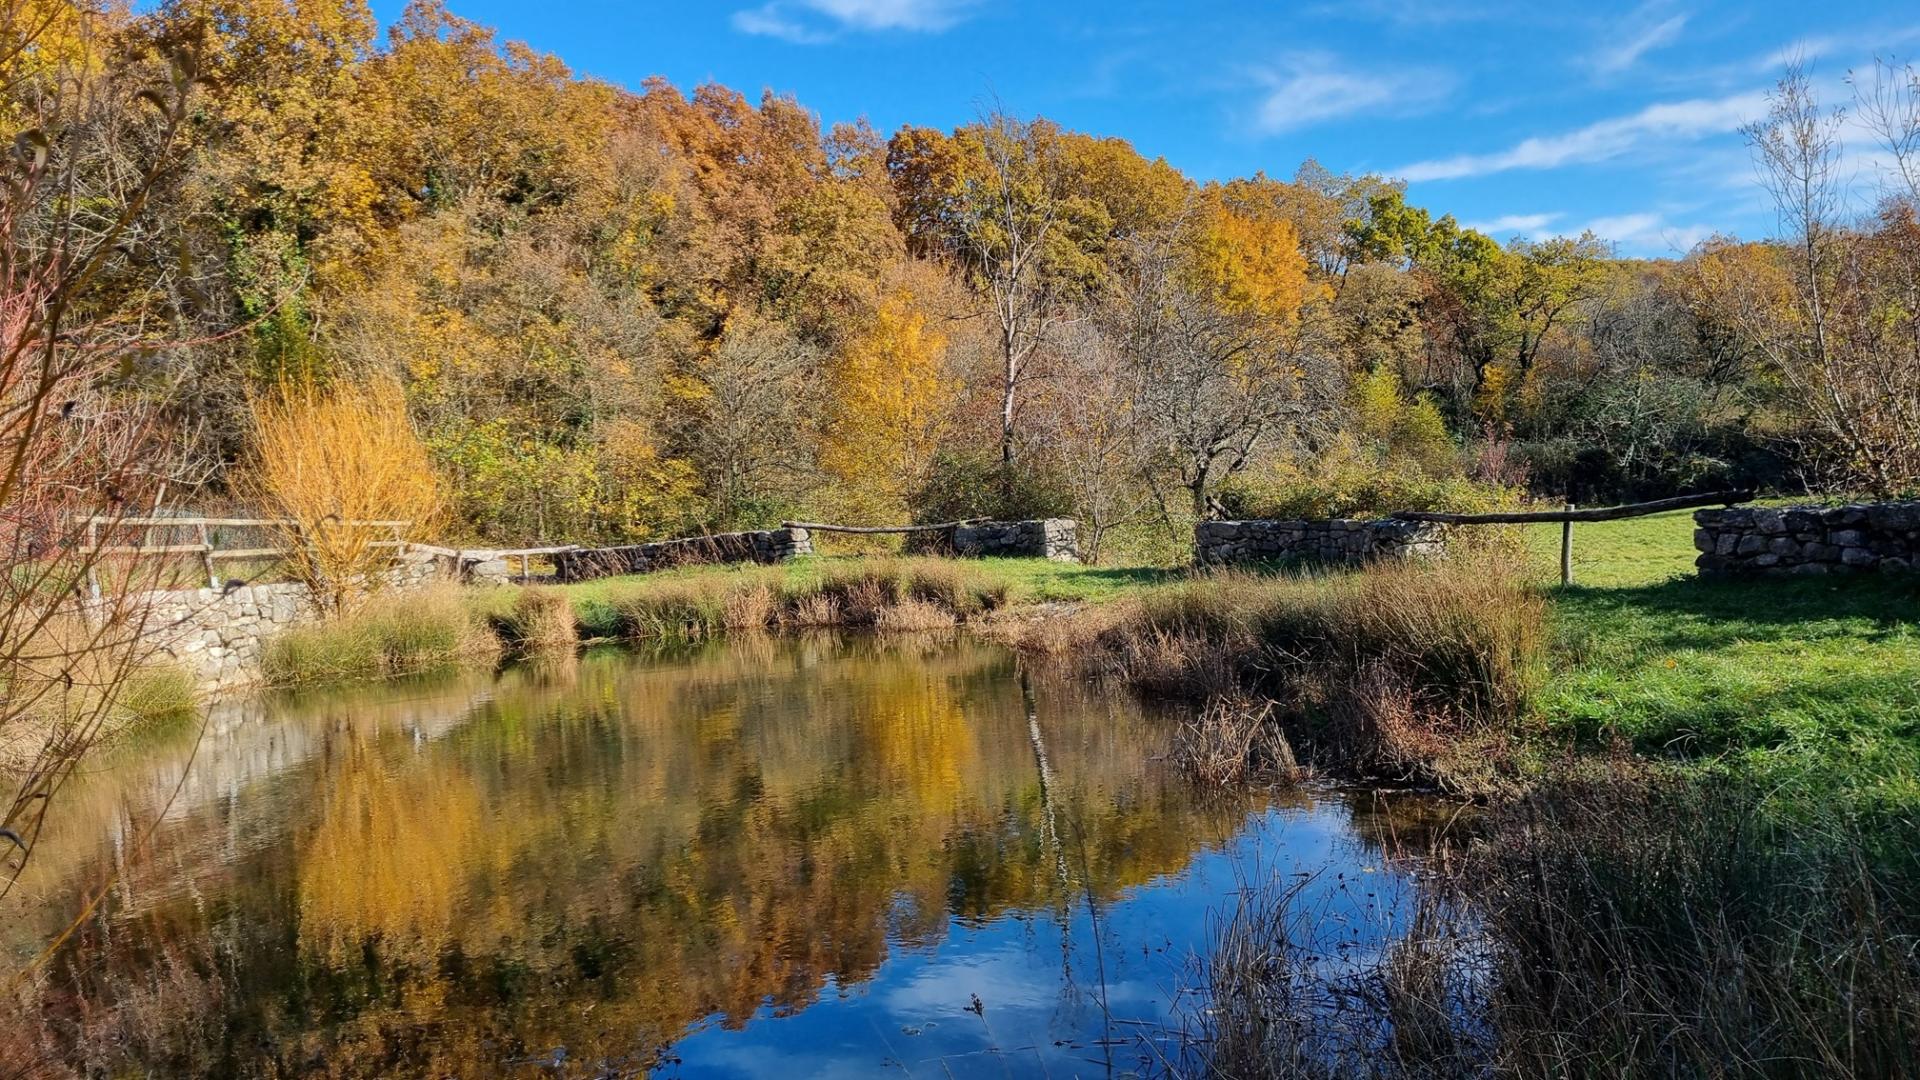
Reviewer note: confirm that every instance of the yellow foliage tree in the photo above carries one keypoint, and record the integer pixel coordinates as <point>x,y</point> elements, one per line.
<point>894,397</point>
<point>344,467</point>
<point>1252,264</point>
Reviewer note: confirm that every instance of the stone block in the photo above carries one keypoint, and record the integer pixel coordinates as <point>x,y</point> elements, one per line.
<point>1858,557</point>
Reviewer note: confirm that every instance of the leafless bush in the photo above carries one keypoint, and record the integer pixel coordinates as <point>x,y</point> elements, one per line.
<point>80,441</point>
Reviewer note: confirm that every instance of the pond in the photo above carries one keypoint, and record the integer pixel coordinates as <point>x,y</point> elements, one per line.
<point>792,857</point>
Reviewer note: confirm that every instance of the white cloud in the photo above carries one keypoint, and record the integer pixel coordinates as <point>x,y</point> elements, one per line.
<point>809,22</point>
<point>1640,36</point>
<point>1647,233</point>
<point>1308,88</point>
<point>1515,223</point>
<point>1667,121</point>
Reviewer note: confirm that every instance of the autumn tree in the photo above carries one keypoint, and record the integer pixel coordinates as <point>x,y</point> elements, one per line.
<point>1215,328</point>
<point>748,412</point>
<point>892,393</point>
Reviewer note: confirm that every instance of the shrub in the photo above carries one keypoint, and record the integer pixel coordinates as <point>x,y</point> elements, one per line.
<point>331,461</point>
<point>1345,483</point>
<point>962,485</point>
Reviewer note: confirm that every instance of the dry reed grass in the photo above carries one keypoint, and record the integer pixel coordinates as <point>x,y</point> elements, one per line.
<point>914,615</point>
<point>888,593</point>
<point>539,618</point>
<point>1415,672</point>
<point>1236,739</point>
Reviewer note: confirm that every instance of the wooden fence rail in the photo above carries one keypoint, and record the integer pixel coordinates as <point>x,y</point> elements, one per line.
<point>1571,514</point>
<point>1601,513</point>
<point>814,526</point>
<point>205,546</point>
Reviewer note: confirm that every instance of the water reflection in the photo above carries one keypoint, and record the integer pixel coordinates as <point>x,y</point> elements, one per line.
<point>762,858</point>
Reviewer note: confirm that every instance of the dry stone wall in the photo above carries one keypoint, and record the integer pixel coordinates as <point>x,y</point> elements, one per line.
<point>1863,537</point>
<point>1057,539</point>
<point>768,546</point>
<point>218,635</point>
<point>1337,542</point>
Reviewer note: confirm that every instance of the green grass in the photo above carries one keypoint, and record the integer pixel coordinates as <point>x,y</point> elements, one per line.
<point>1813,684</point>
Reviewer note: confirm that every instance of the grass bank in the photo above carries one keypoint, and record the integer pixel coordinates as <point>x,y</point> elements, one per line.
<point>1408,673</point>
<point>1472,677</point>
<point>392,634</point>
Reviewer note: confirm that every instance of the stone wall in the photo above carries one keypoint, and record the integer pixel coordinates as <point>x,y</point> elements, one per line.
<point>772,545</point>
<point>1882,537</point>
<point>1051,538</point>
<point>1336,543</point>
<point>217,635</point>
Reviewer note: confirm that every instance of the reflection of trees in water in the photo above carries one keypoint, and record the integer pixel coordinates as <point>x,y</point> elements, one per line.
<point>606,852</point>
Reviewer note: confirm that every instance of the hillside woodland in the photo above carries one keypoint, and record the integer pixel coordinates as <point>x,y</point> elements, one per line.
<point>617,314</point>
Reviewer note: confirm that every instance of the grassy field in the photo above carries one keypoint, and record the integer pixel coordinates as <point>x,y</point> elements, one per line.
<point>1811,682</point>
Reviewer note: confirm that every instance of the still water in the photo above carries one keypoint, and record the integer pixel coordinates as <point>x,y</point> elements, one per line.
<point>789,858</point>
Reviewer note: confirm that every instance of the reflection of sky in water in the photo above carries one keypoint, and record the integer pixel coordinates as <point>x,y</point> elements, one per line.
<point>1042,1010</point>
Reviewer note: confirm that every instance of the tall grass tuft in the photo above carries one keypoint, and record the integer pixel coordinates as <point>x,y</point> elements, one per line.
<point>1417,672</point>
<point>155,696</point>
<point>1655,927</point>
<point>538,618</point>
<point>393,634</point>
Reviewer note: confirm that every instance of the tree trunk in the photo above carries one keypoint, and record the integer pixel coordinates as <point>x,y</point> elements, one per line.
<point>1198,489</point>
<point>1006,410</point>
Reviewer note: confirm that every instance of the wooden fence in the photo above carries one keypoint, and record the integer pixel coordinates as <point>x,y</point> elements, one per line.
<point>205,543</point>
<point>1566,518</point>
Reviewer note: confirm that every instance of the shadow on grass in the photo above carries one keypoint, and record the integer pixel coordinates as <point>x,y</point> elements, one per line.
<point>1690,613</point>
<point>1120,577</point>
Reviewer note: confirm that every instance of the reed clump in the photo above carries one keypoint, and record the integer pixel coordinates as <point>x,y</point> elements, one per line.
<point>1236,739</point>
<point>1414,672</point>
<point>1653,926</point>
<point>538,618</point>
<point>392,634</point>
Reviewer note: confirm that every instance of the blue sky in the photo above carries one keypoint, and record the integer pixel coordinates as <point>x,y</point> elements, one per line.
<point>1521,118</point>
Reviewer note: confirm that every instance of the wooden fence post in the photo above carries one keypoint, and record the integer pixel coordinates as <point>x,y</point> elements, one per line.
<point>206,556</point>
<point>1566,549</point>
<point>93,560</point>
